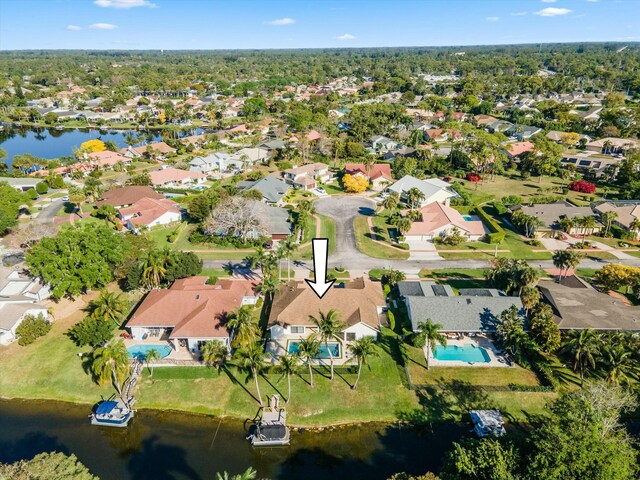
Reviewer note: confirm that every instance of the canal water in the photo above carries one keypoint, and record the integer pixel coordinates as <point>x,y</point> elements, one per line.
<point>169,445</point>
<point>50,143</point>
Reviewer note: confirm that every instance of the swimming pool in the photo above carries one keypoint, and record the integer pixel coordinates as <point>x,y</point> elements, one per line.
<point>140,351</point>
<point>469,218</point>
<point>324,353</point>
<point>464,353</point>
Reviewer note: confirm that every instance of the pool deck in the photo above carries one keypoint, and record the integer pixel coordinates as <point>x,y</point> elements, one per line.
<point>181,357</point>
<point>496,360</point>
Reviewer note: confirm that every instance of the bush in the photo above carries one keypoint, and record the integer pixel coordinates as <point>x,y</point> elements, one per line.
<point>534,242</point>
<point>512,200</point>
<point>31,328</point>
<point>497,233</point>
<point>42,188</point>
<point>500,208</point>
<point>90,331</point>
<point>32,194</point>
<point>392,320</point>
<point>473,177</point>
<point>403,246</point>
<point>582,186</point>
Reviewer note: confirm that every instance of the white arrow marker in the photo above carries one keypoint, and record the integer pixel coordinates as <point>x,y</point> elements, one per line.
<point>320,285</point>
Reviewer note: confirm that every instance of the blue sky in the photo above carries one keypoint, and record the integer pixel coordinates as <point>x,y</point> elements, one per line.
<point>224,24</point>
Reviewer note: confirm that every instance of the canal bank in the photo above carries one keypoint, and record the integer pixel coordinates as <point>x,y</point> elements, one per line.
<point>168,445</point>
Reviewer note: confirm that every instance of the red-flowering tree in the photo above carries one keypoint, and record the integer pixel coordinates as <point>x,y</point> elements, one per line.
<point>582,186</point>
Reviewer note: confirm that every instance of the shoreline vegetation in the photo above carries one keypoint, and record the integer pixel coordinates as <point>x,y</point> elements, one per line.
<point>51,369</point>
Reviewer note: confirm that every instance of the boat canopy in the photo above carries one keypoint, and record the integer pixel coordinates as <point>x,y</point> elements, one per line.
<point>106,407</point>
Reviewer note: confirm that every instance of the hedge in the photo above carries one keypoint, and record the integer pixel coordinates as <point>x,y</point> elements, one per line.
<point>497,233</point>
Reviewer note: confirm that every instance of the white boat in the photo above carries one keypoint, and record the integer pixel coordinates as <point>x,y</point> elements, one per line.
<point>271,430</point>
<point>112,413</point>
<point>487,423</point>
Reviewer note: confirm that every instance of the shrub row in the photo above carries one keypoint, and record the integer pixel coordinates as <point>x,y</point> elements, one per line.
<point>497,233</point>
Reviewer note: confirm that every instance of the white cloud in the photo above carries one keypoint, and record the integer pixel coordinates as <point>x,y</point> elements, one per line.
<point>103,26</point>
<point>282,21</point>
<point>492,19</point>
<point>346,36</point>
<point>518,14</point>
<point>124,3</point>
<point>553,12</point>
<point>73,28</point>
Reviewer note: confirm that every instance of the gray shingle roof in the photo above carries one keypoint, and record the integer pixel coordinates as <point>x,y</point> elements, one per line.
<point>271,188</point>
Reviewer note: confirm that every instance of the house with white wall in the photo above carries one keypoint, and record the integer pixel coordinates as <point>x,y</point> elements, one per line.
<point>433,189</point>
<point>360,304</point>
<point>190,312</point>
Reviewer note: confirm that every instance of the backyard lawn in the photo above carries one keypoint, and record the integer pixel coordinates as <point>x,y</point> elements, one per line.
<point>51,369</point>
<point>327,230</point>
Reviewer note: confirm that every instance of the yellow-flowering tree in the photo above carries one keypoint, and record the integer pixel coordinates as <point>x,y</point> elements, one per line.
<point>95,145</point>
<point>355,183</point>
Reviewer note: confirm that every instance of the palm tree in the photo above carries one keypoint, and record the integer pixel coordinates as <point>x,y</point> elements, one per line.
<point>391,201</point>
<point>245,329</point>
<point>286,249</point>
<point>111,361</point>
<point>567,224</point>
<point>151,355</point>
<point>414,197</point>
<point>248,474</point>
<point>251,358</point>
<point>109,306</point>
<point>288,364</point>
<point>428,334</point>
<point>608,218</point>
<point>583,345</point>
<point>530,297</point>
<point>154,269</point>
<point>214,352</point>
<point>403,224</point>
<point>329,327</point>
<point>634,227</point>
<point>586,223</point>
<point>619,364</point>
<point>362,349</point>
<point>308,349</point>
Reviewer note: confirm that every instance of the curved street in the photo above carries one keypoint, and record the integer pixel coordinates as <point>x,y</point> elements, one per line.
<point>344,210</point>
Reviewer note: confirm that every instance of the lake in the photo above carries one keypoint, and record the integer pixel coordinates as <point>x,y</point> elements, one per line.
<point>163,445</point>
<point>50,143</point>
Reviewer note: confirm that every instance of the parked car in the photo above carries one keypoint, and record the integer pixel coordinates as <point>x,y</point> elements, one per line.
<point>321,190</point>
<point>65,198</point>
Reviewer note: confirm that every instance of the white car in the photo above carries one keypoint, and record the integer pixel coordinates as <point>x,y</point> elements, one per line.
<point>321,190</point>
<point>65,198</point>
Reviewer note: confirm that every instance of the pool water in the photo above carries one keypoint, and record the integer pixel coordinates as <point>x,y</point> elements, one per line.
<point>464,353</point>
<point>468,218</point>
<point>324,353</point>
<point>140,351</point>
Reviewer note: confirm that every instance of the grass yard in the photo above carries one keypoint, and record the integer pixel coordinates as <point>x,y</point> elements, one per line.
<point>223,255</point>
<point>327,230</point>
<point>161,236</point>
<point>374,249</point>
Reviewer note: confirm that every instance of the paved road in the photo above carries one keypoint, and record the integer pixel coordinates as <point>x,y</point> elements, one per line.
<point>49,212</point>
<point>345,209</point>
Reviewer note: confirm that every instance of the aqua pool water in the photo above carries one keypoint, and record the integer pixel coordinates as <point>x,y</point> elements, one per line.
<point>324,353</point>
<point>469,218</point>
<point>464,353</point>
<point>140,351</point>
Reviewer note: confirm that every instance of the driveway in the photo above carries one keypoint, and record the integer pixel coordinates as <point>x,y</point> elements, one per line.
<point>48,213</point>
<point>423,250</point>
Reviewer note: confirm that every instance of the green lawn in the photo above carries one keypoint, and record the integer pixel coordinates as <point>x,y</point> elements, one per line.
<point>374,249</point>
<point>223,255</point>
<point>449,273</point>
<point>161,236</point>
<point>51,369</point>
<point>327,230</point>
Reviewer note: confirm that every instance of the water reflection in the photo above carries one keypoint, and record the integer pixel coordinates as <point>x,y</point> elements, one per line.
<point>169,445</point>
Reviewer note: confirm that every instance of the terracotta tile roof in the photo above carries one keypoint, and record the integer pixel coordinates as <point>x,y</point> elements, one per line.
<point>159,146</point>
<point>374,172</point>
<point>127,195</point>
<point>357,302</point>
<point>437,215</point>
<point>518,148</point>
<point>166,175</point>
<point>147,210</point>
<point>106,157</point>
<point>192,308</point>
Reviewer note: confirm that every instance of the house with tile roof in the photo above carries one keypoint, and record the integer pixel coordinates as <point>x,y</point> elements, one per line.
<point>577,306</point>
<point>159,150</point>
<point>627,214</point>
<point>174,177</point>
<point>307,177</point>
<point>514,150</point>
<point>360,303</point>
<point>433,189</point>
<point>273,189</point>
<point>379,174</point>
<point>438,220</point>
<point>125,196</point>
<point>472,311</point>
<point>150,212</point>
<point>190,312</point>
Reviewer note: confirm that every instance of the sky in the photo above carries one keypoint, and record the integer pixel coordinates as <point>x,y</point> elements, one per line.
<point>243,24</point>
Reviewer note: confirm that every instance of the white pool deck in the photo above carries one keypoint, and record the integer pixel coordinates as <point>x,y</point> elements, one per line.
<point>497,360</point>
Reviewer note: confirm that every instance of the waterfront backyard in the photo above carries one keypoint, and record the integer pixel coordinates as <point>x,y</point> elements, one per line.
<point>50,368</point>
